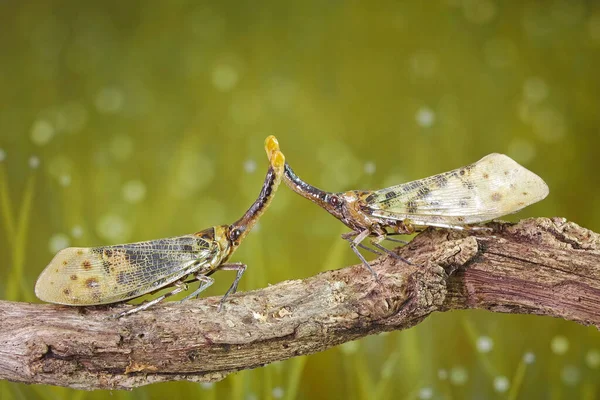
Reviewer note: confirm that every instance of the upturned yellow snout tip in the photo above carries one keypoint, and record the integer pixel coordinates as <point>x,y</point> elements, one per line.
<point>277,159</point>
<point>271,145</point>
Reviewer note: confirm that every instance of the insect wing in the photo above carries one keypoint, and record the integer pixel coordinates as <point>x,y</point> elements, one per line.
<point>101,275</point>
<point>492,187</point>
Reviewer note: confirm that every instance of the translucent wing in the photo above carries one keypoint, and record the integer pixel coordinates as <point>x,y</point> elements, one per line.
<point>101,275</point>
<point>492,187</point>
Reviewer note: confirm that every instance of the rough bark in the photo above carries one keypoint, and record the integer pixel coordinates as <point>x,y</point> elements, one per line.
<point>539,266</point>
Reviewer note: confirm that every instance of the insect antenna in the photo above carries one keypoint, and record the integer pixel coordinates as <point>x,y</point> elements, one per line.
<point>240,228</point>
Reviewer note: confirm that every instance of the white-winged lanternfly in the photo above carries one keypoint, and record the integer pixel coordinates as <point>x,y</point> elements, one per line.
<point>492,187</point>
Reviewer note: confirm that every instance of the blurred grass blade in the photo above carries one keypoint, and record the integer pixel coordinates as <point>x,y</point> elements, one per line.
<point>366,388</point>
<point>388,368</point>
<point>474,335</point>
<point>517,380</point>
<point>239,384</point>
<point>296,367</point>
<point>408,344</point>
<point>13,286</point>
<point>589,390</point>
<point>267,388</point>
<point>6,208</point>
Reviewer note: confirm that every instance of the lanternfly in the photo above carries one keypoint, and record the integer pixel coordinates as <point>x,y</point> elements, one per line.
<point>110,274</point>
<point>492,187</point>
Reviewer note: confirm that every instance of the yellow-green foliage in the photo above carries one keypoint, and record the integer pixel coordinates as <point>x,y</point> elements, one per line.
<point>127,121</point>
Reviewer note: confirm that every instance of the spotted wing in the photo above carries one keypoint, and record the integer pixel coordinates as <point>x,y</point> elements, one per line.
<point>492,187</point>
<point>101,275</point>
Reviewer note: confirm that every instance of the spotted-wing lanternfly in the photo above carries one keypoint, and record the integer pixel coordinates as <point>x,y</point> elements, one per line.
<point>492,187</point>
<point>110,274</point>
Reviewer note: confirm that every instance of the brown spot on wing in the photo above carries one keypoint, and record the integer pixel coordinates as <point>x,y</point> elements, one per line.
<point>66,292</point>
<point>73,277</point>
<point>496,197</point>
<point>486,176</point>
<point>92,283</point>
<point>86,264</point>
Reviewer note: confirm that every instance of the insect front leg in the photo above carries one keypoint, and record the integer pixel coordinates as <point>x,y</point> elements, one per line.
<point>205,282</point>
<point>179,287</point>
<point>357,243</point>
<point>240,268</point>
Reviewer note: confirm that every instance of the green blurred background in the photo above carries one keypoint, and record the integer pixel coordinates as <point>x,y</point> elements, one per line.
<point>127,121</point>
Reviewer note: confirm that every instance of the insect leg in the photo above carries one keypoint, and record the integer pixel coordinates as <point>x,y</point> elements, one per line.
<point>240,268</point>
<point>396,240</point>
<point>375,242</point>
<point>362,246</point>
<point>355,243</point>
<point>205,282</point>
<point>179,287</point>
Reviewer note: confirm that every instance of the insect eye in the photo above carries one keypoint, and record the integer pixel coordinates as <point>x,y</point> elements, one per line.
<point>334,201</point>
<point>234,234</point>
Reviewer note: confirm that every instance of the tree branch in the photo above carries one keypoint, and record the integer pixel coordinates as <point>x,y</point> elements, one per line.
<point>538,266</point>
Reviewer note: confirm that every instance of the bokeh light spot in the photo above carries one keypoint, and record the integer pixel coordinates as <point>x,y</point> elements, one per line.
<point>249,166</point>
<point>425,117</point>
<point>278,392</point>
<point>529,357</point>
<point>42,132</point>
<point>549,125</point>
<point>570,375</point>
<point>479,11</point>
<point>57,242</point>
<point>77,231</point>
<point>34,162</point>
<point>225,77</point>
<point>501,384</point>
<point>113,228</point>
<point>423,64</point>
<point>592,358</point>
<point>442,374</point>
<point>370,168</point>
<point>559,345</point>
<point>500,52</point>
<point>195,171</point>
<point>522,150</point>
<point>64,180</point>
<point>349,348</point>
<point>134,191</point>
<point>459,375</point>
<point>594,27</point>
<point>484,344</point>
<point>110,100</point>
<point>535,89</point>
<point>71,118</point>
<point>425,393</point>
